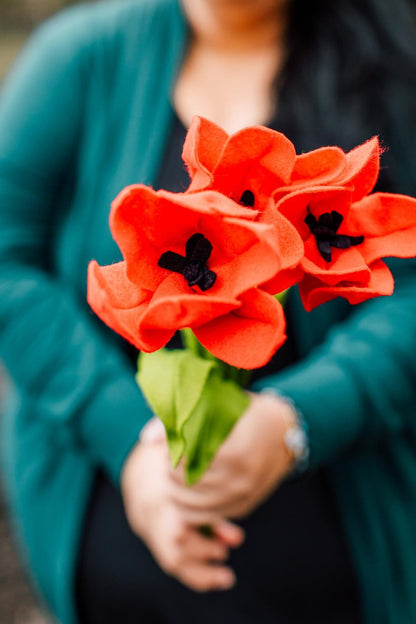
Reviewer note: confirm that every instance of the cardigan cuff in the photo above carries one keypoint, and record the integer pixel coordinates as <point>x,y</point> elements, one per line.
<point>331,408</point>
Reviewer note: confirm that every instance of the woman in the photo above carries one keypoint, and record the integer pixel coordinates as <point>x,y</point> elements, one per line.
<point>87,111</point>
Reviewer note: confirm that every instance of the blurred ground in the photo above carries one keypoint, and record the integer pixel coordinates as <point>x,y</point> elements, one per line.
<point>17,18</point>
<point>17,601</point>
<point>10,43</point>
<point>18,604</point>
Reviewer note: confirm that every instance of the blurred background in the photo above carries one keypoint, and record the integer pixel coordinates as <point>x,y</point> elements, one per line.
<point>17,18</point>
<point>17,602</point>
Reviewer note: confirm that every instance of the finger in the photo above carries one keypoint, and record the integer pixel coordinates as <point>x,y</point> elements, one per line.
<point>218,500</point>
<point>207,577</point>
<point>202,516</point>
<point>232,511</point>
<point>200,548</point>
<point>196,518</point>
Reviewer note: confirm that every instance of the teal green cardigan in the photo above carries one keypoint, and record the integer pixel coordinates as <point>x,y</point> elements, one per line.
<point>86,111</point>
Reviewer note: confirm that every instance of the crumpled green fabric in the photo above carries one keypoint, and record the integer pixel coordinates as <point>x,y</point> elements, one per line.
<point>197,406</point>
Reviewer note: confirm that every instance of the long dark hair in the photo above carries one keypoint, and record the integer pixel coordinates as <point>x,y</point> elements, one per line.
<point>350,73</point>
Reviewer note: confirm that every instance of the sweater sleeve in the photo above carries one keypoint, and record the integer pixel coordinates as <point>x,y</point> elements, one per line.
<point>53,349</point>
<point>359,386</point>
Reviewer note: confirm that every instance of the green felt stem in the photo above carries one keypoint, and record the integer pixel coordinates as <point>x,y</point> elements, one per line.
<point>192,343</point>
<point>282,296</point>
<point>207,531</point>
<point>241,376</point>
<point>196,404</point>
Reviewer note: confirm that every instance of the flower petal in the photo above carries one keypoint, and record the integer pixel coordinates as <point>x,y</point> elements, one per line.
<point>291,249</point>
<point>400,244</point>
<point>313,292</point>
<point>317,200</point>
<point>283,280</point>
<point>203,146</point>
<point>175,305</point>
<point>346,264</point>
<point>362,168</point>
<point>112,283</point>
<point>382,213</point>
<point>318,167</point>
<point>120,304</point>
<point>249,336</point>
<point>256,159</point>
<point>388,223</point>
<point>290,243</point>
<point>257,265</point>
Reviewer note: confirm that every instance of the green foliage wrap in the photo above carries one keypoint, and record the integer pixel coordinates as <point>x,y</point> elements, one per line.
<point>197,406</point>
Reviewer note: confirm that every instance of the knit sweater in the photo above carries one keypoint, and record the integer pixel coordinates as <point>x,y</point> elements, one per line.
<point>85,111</point>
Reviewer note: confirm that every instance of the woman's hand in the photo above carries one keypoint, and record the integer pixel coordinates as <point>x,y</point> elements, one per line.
<point>249,465</point>
<point>176,544</point>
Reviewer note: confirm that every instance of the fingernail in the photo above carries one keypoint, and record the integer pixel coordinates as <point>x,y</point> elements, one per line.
<point>231,531</point>
<point>236,535</point>
<point>240,535</point>
<point>153,431</point>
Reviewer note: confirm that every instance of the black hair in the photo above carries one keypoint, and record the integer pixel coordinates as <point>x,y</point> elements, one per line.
<point>350,73</point>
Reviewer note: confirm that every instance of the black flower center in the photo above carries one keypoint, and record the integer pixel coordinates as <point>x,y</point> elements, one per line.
<point>193,265</point>
<point>247,199</point>
<point>325,231</point>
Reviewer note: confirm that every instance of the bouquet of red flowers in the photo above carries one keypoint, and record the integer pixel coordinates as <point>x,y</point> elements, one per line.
<point>215,262</point>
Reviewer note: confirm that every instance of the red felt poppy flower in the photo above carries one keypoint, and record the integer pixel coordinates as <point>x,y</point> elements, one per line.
<point>252,164</point>
<point>191,260</point>
<point>246,166</point>
<point>345,240</point>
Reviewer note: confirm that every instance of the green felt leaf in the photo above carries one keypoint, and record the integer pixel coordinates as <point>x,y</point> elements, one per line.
<point>191,380</point>
<point>198,399</point>
<point>240,375</point>
<point>172,382</point>
<point>221,404</point>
